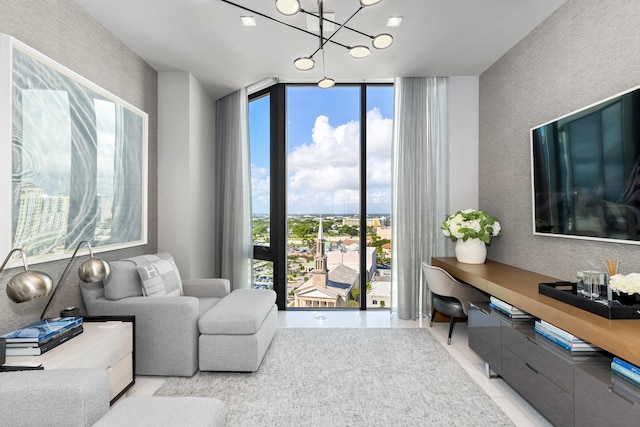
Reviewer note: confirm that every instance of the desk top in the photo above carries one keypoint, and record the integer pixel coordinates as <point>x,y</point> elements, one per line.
<point>519,287</point>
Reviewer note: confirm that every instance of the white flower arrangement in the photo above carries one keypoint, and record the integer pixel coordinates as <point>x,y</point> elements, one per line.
<point>627,283</point>
<point>471,224</point>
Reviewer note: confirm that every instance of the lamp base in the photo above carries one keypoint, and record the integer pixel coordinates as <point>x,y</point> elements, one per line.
<point>70,312</point>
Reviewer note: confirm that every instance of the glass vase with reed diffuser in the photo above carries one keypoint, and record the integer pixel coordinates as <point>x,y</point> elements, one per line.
<point>612,269</point>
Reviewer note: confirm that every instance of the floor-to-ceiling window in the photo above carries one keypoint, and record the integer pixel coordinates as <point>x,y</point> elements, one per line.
<point>321,182</point>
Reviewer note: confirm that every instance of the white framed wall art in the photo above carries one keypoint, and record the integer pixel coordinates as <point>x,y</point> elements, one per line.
<point>73,160</point>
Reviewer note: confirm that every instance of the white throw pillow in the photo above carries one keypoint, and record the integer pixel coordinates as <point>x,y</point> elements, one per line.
<point>160,278</point>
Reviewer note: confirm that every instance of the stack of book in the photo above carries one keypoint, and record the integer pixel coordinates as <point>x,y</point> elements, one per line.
<point>626,371</point>
<point>508,309</point>
<point>563,338</point>
<point>42,336</point>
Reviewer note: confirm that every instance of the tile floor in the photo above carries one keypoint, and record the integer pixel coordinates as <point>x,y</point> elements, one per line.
<point>522,414</point>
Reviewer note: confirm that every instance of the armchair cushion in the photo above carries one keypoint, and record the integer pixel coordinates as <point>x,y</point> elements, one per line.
<point>160,278</point>
<point>123,282</point>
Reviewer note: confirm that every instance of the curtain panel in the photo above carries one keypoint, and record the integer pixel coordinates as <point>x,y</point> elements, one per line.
<point>233,244</point>
<point>420,187</point>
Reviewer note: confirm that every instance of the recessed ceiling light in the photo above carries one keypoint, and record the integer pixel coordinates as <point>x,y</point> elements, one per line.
<point>394,21</point>
<point>313,23</point>
<point>248,21</point>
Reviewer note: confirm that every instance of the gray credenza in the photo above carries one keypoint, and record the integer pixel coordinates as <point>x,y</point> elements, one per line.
<point>569,389</point>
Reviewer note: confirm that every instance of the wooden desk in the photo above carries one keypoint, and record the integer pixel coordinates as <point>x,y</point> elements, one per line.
<point>518,287</point>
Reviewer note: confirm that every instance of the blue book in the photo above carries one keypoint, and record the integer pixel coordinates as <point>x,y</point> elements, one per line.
<point>625,373</point>
<point>42,330</point>
<point>554,339</point>
<point>627,365</point>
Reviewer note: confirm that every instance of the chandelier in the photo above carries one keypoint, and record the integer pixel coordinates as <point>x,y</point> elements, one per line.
<point>305,63</point>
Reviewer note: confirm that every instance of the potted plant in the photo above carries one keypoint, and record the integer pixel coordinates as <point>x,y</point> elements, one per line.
<point>472,230</point>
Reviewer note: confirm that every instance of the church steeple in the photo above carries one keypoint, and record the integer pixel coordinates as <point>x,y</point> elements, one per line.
<point>320,272</point>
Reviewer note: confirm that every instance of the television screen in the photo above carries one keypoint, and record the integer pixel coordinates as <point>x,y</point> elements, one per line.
<point>586,172</point>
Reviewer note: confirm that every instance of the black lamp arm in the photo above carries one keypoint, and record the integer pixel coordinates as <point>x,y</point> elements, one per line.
<point>64,273</point>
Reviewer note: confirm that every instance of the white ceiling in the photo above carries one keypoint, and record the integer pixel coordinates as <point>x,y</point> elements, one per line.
<point>207,39</point>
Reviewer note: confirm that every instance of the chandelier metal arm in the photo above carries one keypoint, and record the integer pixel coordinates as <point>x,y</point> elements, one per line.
<point>281,22</point>
<point>321,18</point>
<point>341,25</point>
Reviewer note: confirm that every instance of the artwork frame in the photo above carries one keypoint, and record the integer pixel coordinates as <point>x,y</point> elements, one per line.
<point>73,160</point>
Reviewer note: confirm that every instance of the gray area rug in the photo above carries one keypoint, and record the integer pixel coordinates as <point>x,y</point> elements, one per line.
<point>348,377</point>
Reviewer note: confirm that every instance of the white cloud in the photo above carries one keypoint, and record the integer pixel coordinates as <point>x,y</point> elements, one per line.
<point>324,175</point>
<point>260,191</point>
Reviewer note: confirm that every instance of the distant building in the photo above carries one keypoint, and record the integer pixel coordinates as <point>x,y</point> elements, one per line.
<point>355,221</point>
<point>384,233</point>
<point>326,288</point>
<point>352,260</point>
<point>379,296</point>
<point>41,225</point>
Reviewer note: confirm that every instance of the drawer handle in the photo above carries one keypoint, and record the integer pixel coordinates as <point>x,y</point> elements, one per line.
<point>532,341</point>
<point>613,390</point>
<point>532,368</point>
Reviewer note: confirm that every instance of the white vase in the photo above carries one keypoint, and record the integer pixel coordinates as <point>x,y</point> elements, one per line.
<point>473,251</point>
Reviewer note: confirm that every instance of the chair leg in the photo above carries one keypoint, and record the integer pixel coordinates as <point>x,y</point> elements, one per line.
<point>433,314</point>
<point>451,322</point>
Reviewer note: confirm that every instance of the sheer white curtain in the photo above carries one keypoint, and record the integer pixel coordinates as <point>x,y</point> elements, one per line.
<point>420,187</point>
<point>233,241</point>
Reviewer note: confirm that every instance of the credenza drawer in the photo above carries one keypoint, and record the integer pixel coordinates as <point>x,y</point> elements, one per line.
<point>485,336</point>
<point>601,399</point>
<point>120,375</point>
<point>540,355</point>
<point>552,401</point>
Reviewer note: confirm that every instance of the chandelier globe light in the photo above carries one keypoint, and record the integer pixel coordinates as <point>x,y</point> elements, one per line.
<point>304,63</point>
<point>365,3</point>
<point>326,83</point>
<point>288,7</point>
<point>382,41</point>
<point>359,52</point>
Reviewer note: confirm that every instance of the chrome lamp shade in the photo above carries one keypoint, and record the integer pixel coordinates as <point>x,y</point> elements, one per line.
<point>92,270</point>
<point>27,284</point>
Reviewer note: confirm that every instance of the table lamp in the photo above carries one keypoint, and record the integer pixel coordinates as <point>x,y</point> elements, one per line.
<point>24,286</point>
<point>27,284</point>
<point>92,270</point>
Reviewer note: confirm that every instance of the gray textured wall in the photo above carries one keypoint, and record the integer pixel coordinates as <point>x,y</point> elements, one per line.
<point>62,30</point>
<point>586,51</point>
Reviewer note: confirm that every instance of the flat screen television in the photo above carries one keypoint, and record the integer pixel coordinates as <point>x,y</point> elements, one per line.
<point>586,172</point>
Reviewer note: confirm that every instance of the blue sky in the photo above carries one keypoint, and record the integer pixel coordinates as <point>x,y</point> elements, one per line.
<point>322,146</point>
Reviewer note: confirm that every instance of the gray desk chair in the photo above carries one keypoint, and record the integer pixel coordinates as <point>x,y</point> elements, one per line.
<point>449,296</point>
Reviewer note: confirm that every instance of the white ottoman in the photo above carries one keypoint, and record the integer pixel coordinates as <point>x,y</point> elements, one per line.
<point>236,333</point>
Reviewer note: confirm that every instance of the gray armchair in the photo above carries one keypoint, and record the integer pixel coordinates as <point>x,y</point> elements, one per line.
<point>166,328</point>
